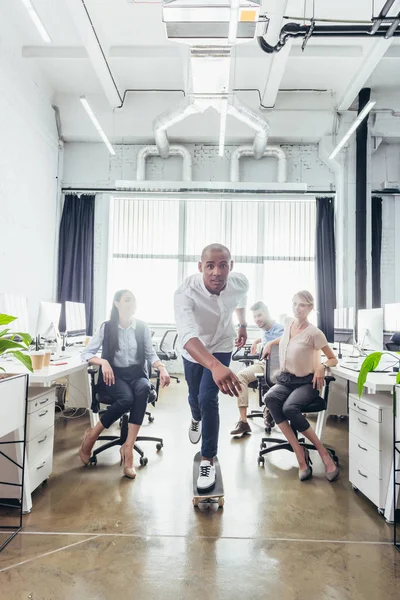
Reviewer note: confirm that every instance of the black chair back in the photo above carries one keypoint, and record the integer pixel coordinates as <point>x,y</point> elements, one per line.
<point>272,367</point>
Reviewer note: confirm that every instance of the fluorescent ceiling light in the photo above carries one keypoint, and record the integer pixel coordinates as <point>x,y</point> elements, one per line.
<point>365,111</point>
<point>95,122</point>
<point>233,21</point>
<point>224,114</point>
<point>36,19</point>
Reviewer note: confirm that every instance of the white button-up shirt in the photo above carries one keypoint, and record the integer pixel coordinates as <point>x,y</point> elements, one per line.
<point>200,314</point>
<point>127,354</point>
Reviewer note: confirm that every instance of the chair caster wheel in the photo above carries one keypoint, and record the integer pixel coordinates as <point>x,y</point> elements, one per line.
<point>143,461</point>
<point>178,381</point>
<point>261,461</point>
<point>93,460</point>
<point>159,446</point>
<point>151,419</point>
<point>263,445</point>
<point>355,489</point>
<point>335,460</point>
<point>268,430</point>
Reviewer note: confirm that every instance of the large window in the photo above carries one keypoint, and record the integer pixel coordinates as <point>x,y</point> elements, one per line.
<point>155,244</point>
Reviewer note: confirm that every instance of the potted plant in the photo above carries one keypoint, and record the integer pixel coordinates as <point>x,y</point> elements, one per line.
<point>9,345</point>
<point>369,365</point>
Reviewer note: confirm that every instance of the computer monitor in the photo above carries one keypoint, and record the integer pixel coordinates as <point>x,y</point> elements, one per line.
<point>75,319</point>
<point>391,321</point>
<point>344,325</point>
<point>15,305</point>
<point>48,320</point>
<point>370,329</point>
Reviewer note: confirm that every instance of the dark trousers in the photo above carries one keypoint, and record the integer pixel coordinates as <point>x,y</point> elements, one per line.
<point>129,393</point>
<point>290,398</point>
<point>203,400</point>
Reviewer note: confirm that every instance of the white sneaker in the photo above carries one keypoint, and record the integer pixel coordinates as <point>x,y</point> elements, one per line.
<point>195,431</point>
<point>206,479</point>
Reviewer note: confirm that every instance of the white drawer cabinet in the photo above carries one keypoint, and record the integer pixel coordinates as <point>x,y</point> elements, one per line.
<point>40,434</point>
<point>370,445</point>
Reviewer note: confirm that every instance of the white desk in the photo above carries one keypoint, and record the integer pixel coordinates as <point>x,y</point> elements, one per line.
<point>376,383</point>
<point>79,395</point>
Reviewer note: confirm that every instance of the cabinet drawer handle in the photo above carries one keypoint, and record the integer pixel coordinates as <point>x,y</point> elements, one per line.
<point>362,448</point>
<point>362,474</point>
<point>43,413</point>
<point>363,409</point>
<point>42,465</point>
<point>363,422</point>
<point>44,401</point>
<point>41,441</point>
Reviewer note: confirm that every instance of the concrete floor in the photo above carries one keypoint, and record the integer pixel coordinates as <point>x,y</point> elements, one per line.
<point>93,534</point>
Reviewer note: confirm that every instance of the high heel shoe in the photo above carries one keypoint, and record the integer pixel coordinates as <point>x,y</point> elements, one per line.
<point>307,473</point>
<point>129,472</point>
<point>85,458</point>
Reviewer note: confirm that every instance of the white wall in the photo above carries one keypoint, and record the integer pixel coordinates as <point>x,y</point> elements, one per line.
<point>28,184</point>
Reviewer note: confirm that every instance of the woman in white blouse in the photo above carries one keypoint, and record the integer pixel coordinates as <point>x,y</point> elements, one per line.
<point>126,348</point>
<point>299,382</point>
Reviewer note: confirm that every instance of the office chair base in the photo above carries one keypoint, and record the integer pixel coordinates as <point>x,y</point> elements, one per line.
<point>260,414</point>
<point>281,444</point>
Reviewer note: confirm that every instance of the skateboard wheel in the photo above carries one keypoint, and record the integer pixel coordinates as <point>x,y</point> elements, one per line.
<point>221,502</point>
<point>159,446</point>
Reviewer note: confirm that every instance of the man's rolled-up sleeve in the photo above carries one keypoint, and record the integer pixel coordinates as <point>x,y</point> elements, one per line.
<point>184,318</point>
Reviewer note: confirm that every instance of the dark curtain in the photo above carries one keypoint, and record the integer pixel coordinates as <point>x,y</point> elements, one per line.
<point>325,260</point>
<point>376,250</point>
<point>75,255</point>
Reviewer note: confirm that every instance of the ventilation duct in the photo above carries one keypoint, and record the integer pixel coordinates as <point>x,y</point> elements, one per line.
<point>273,151</point>
<point>147,151</point>
<point>211,28</point>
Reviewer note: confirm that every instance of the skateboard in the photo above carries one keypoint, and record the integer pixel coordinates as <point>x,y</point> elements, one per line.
<point>213,496</point>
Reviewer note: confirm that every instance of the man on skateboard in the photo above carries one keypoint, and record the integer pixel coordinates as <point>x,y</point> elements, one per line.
<point>204,306</point>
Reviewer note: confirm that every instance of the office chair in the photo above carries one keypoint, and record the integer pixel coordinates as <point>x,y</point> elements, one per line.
<point>167,350</point>
<point>99,396</point>
<point>260,385</point>
<point>319,405</point>
<point>394,344</point>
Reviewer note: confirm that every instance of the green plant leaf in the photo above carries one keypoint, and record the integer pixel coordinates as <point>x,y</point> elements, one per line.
<point>398,378</point>
<point>24,359</point>
<point>4,332</point>
<point>370,363</point>
<point>7,345</point>
<point>6,319</point>
<point>25,337</point>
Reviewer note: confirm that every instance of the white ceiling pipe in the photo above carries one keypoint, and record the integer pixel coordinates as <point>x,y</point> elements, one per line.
<point>256,122</point>
<point>274,151</point>
<point>147,151</point>
<point>168,119</point>
<point>199,105</point>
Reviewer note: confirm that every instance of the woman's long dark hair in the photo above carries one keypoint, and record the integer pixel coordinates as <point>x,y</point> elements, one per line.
<point>114,322</point>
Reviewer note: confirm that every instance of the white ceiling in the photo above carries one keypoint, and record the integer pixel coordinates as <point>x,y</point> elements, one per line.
<point>325,77</point>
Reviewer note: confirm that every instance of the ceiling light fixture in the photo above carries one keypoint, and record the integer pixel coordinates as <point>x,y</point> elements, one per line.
<point>95,122</point>
<point>387,6</point>
<point>37,21</point>
<point>365,111</point>
<point>222,127</point>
